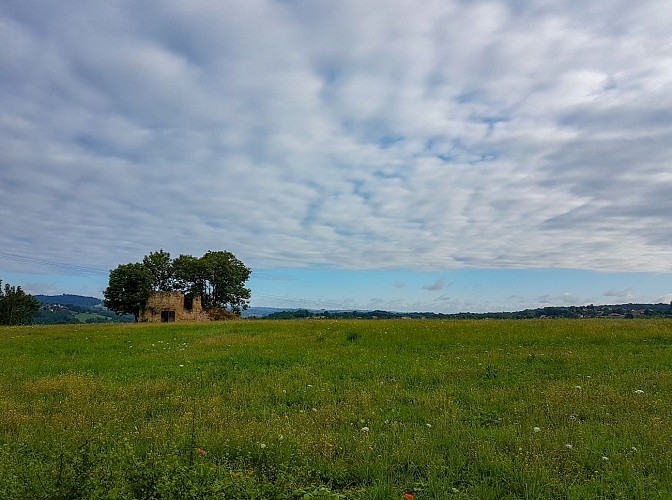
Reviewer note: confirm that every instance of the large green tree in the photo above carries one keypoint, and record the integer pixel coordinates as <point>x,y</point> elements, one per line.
<point>160,267</point>
<point>218,278</point>
<point>224,282</point>
<point>129,288</point>
<point>16,306</point>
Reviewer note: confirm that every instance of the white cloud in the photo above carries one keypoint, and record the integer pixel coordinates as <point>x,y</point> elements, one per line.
<point>351,135</point>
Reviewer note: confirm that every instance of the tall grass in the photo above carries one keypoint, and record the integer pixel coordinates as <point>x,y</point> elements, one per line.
<point>338,409</point>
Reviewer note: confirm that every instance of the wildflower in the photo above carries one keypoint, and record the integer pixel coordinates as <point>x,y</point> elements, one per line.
<point>536,429</point>
<point>181,365</point>
<point>262,446</point>
<point>577,387</point>
<point>633,448</point>
<point>365,429</point>
<point>605,458</point>
<point>639,391</point>
<point>429,426</point>
<point>408,495</point>
<point>201,451</point>
<point>569,446</point>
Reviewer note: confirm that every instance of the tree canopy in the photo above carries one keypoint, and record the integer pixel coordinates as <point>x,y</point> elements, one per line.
<point>217,277</point>
<point>16,306</point>
<point>128,289</point>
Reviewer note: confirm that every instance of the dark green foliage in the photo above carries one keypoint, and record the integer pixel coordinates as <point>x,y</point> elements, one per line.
<point>129,289</point>
<point>189,275</point>
<point>217,277</point>
<point>160,268</point>
<point>225,277</point>
<point>16,306</point>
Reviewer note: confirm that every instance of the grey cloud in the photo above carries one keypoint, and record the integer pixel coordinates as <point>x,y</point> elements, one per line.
<point>620,294</point>
<point>436,286</point>
<point>532,134</point>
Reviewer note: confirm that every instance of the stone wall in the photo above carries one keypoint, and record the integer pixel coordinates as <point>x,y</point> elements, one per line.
<point>169,307</point>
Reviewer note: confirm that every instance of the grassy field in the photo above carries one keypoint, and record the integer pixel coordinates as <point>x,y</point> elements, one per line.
<point>338,409</point>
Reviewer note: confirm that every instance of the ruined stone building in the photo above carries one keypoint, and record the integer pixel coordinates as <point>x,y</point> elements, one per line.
<point>169,307</point>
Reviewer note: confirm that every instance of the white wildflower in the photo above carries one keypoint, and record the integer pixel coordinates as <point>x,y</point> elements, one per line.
<point>429,425</point>
<point>536,429</point>
<point>605,458</point>
<point>639,391</point>
<point>262,446</point>
<point>365,429</point>
<point>577,387</point>
<point>569,446</point>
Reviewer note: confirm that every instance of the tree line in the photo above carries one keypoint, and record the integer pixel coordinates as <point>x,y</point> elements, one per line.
<point>16,306</point>
<point>217,277</point>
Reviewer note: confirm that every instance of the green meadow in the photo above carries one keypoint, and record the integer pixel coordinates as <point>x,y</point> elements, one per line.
<point>338,409</point>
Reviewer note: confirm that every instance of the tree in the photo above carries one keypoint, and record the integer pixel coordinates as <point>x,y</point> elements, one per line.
<point>189,275</point>
<point>160,267</point>
<point>128,290</point>
<point>225,277</point>
<point>218,278</point>
<point>16,306</point>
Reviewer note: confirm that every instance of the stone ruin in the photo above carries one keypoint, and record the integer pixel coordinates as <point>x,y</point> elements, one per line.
<point>170,307</point>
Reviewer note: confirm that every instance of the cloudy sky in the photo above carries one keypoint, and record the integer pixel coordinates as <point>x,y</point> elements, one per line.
<point>442,155</point>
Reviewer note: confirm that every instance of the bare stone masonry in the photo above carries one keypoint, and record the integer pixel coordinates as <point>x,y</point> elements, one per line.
<point>168,307</point>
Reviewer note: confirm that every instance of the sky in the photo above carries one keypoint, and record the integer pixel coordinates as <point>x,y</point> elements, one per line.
<point>409,155</point>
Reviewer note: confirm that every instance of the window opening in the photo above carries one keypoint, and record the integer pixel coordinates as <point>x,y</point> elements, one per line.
<point>167,316</point>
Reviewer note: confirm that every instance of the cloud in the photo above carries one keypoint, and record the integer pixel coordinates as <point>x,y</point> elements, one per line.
<point>399,284</point>
<point>351,136</point>
<point>436,286</point>
<point>620,294</point>
<point>665,299</point>
<point>565,298</point>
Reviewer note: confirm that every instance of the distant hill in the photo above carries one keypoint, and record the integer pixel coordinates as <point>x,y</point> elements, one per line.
<point>68,300</point>
<point>627,311</point>
<point>71,308</point>
<point>261,312</point>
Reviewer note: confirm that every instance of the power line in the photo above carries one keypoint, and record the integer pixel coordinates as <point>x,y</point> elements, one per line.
<point>53,264</point>
<point>92,270</point>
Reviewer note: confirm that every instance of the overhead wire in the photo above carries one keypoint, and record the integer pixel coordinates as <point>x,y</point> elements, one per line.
<point>53,264</point>
<point>95,271</point>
